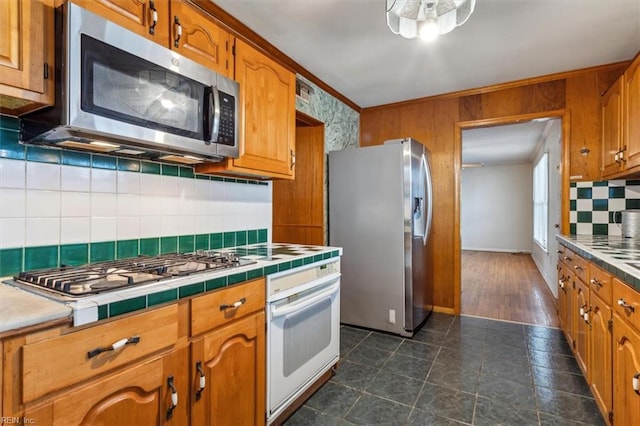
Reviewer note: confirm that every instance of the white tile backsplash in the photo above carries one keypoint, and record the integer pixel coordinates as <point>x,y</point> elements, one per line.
<point>52,204</point>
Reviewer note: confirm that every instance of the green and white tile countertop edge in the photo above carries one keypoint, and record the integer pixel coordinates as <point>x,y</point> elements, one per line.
<point>25,308</point>
<point>618,255</point>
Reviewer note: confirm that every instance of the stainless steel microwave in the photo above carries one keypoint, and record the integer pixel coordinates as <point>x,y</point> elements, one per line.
<point>119,93</point>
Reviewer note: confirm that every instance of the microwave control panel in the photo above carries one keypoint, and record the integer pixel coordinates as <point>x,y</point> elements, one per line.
<point>227,133</point>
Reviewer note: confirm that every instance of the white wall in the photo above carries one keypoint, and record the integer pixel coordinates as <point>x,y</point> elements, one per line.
<point>546,260</point>
<point>497,208</point>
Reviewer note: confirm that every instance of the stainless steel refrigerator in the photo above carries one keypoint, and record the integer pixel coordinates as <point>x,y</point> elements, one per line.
<point>380,211</point>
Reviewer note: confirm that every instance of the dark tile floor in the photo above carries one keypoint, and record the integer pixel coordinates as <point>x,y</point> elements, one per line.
<point>455,370</point>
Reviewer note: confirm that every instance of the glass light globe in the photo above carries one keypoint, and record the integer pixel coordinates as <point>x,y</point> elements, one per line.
<point>429,29</point>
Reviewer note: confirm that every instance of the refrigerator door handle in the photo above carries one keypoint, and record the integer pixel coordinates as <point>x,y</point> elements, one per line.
<point>428,199</point>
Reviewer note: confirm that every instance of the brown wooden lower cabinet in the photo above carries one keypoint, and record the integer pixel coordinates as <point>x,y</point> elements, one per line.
<point>600,316</point>
<point>156,381</point>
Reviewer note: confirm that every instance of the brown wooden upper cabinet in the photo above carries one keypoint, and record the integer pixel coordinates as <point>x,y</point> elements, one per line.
<point>267,119</point>
<point>621,125</point>
<point>26,55</point>
<point>174,24</point>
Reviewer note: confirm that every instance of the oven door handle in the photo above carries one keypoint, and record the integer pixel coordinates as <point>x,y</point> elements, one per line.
<point>306,302</point>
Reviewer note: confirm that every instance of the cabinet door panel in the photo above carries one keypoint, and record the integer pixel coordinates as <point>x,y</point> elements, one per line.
<point>631,99</point>
<point>268,115</point>
<point>135,15</point>
<point>612,129</point>
<point>201,40</point>
<point>626,364</point>
<point>232,360</point>
<point>600,367</point>
<point>581,327</point>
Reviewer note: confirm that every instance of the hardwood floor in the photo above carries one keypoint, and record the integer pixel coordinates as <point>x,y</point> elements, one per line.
<point>506,286</point>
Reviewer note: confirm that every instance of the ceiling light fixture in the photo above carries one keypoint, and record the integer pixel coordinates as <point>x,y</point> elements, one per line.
<point>427,18</point>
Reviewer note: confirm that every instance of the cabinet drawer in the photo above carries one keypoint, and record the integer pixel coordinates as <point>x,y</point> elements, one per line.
<point>215,309</point>
<point>56,363</point>
<point>600,283</point>
<point>580,267</point>
<point>626,302</point>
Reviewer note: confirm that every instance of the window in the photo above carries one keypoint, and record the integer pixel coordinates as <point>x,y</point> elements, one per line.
<point>541,200</point>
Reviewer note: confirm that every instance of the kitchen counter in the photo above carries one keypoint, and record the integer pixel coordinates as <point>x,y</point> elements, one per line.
<point>618,255</point>
<point>22,308</point>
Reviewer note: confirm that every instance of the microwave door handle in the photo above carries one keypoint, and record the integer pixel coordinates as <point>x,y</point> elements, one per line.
<point>215,131</point>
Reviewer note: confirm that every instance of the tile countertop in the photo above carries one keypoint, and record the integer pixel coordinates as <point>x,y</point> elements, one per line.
<point>618,255</point>
<point>21,308</point>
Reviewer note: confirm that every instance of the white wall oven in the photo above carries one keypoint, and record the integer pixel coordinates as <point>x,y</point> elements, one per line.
<point>303,331</point>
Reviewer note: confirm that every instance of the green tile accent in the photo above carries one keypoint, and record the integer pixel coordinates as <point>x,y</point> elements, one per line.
<point>103,162</point>
<point>616,192</point>
<point>169,170</point>
<point>584,217</point>
<point>262,235</point>
<point>168,245</point>
<point>217,178</point>
<point>572,205</point>
<point>229,180</point>
<point>229,239</point>
<point>150,168</point>
<point>241,181</point>
<point>308,260</point>
<point>125,306</point>
<point>216,283</point>
<point>241,238</point>
<point>297,262</point>
<point>216,241</point>
<point>162,297</point>
<point>191,289</point>
<point>335,253</point>
<point>237,278</point>
<point>128,165</point>
<point>10,261</point>
<point>284,266</point>
<point>573,184</point>
<point>601,205</point>
<point>203,177</point>
<point>634,182</point>
<point>103,312</point>
<point>40,257</point>
<point>264,183</point>
<point>102,251</point>
<point>326,255</point>
<point>585,193</point>
<point>202,242</point>
<point>73,158</point>
<point>632,204</point>
<point>271,269</point>
<point>9,146</point>
<point>150,246</point>
<point>602,183</point>
<point>186,172</point>
<point>318,257</point>
<point>186,243</point>
<point>255,273</point>
<point>600,229</point>
<point>127,248</point>
<point>252,236</point>
<point>43,155</point>
<point>74,254</point>
<point>9,123</point>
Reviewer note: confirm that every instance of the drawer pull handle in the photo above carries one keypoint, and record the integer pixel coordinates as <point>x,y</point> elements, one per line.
<point>154,18</point>
<point>578,268</point>
<point>178,31</point>
<point>174,397</point>
<point>596,282</point>
<point>114,347</point>
<point>636,383</point>
<point>625,305</point>
<point>201,381</point>
<point>567,258</point>
<point>234,305</point>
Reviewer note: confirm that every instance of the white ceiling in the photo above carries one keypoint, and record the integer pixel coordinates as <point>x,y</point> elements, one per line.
<point>507,144</point>
<point>346,43</point>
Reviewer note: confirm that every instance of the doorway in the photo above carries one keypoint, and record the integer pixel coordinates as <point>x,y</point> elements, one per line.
<point>506,268</point>
<point>299,204</point>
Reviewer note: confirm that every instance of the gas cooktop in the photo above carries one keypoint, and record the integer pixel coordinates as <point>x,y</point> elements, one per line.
<point>77,281</point>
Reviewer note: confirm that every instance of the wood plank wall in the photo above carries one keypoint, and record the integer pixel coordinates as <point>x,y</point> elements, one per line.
<point>437,123</point>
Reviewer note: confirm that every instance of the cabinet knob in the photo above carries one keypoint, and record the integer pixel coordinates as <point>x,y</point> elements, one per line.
<point>154,17</point>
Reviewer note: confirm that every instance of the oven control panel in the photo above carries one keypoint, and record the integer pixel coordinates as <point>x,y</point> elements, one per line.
<point>292,278</point>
